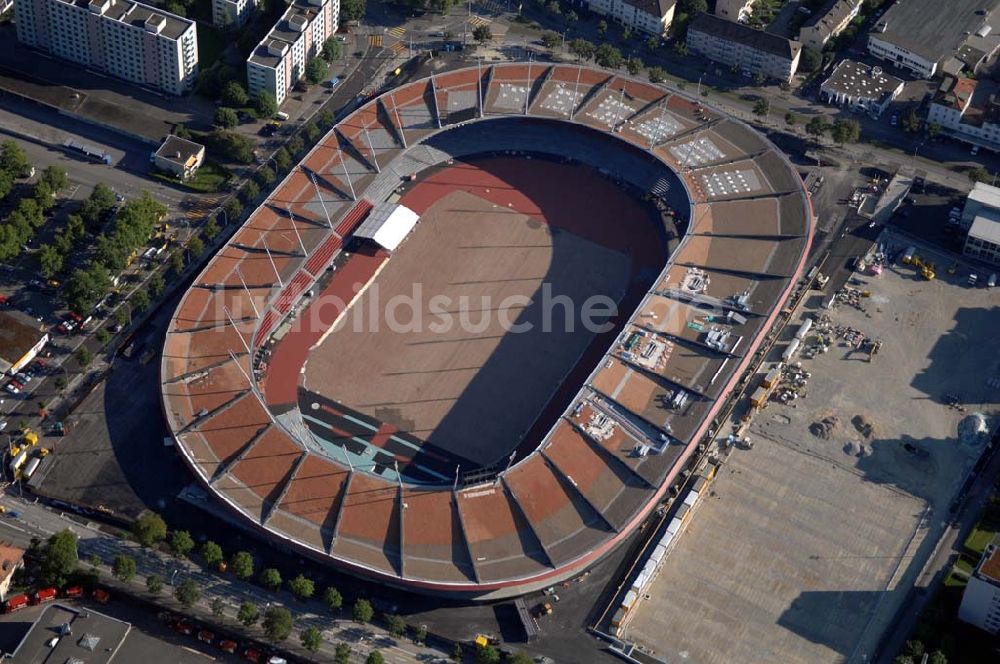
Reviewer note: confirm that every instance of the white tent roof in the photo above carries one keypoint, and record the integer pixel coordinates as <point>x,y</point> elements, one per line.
<point>388,224</point>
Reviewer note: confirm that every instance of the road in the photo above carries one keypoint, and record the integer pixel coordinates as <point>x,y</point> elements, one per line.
<point>36,520</point>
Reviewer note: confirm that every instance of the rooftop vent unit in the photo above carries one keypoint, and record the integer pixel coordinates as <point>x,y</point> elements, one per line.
<point>298,23</point>
<point>155,23</point>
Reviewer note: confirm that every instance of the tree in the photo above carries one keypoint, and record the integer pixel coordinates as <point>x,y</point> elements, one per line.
<point>13,160</point>
<point>233,95</point>
<point>331,49</point>
<point>277,623</point>
<point>181,543</point>
<point>124,568</point>
<point>326,118</point>
<point>233,208</point>
<point>187,593</point>
<point>232,146</point>
<point>332,598</point>
<point>656,74</point>
<point>59,559</point>
<point>457,655</point>
<point>250,191</point>
<point>488,655</point>
<point>482,34</point>
<point>295,145</point>
<point>937,657</point>
<point>933,129</point>
<point>61,381</point>
<point>266,176</point>
<point>312,131</point>
<point>176,8</point>
<point>266,105</point>
<point>149,529</point>
<point>694,6</point>
<point>195,246</point>
<point>242,565</point>
<point>397,626</point>
<point>652,43</point>
<point>375,657</point>
<point>818,126</point>
<point>353,10</point>
<point>270,578</point>
<point>572,17</point>
<point>84,357</point>
<point>761,107</point>
<point>811,60</point>
<point>362,611</point>
<point>140,300</point>
<point>635,66</point>
<point>626,33</point>
<point>218,607</point>
<point>911,122</point>
<point>608,56</point>
<point>50,261</point>
<point>211,553</point>
<point>225,118</point>
<point>154,584</point>
<point>519,658</point>
<point>211,228</point>
<point>554,8</point>
<point>551,39</point>
<point>316,70</point>
<point>123,315</point>
<point>582,49</point>
<point>846,130</point>
<point>248,614</point>
<point>311,639</point>
<point>791,118</point>
<point>281,159</point>
<point>55,177</point>
<point>342,654</point>
<point>156,284</point>
<point>602,28</point>
<point>302,587</point>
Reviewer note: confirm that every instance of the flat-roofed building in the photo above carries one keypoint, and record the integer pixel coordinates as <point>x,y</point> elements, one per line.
<point>734,10</point>
<point>967,110</point>
<point>860,86</point>
<point>652,17</point>
<point>981,599</point>
<point>128,40</point>
<point>279,60</point>
<point>179,156</point>
<point>827,22</point>
<point>65,634</point>
<point>983,240</point>
<point>753,51</point>
<point>928,37</point>
<point>232,13</point>
<point>21,339</point>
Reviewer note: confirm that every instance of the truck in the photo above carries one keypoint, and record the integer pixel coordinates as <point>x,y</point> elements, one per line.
<point>45,595</point>
<point>15,603</point>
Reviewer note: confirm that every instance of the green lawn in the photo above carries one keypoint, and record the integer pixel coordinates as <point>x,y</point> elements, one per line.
<point>208,179</point>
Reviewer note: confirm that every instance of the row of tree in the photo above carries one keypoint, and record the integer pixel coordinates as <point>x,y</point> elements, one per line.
<point>17,229</point>
<point>93,211</point>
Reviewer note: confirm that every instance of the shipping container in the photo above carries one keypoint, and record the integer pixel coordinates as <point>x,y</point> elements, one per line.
<point>691,498</point>
<point>675,526</point>
<point>793,347</point>
<point>630,599</point>
<point>804,329</point>
<point>30,468</point>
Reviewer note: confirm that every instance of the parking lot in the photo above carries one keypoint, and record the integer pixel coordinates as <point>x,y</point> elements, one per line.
<point>811,539</point>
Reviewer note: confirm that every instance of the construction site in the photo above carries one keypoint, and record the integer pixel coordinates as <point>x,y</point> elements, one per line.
<point>836,477</point>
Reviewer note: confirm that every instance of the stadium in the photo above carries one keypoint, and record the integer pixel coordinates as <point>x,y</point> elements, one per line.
<point>470,459</point>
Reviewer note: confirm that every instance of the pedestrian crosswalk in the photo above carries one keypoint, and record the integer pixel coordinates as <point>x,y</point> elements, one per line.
<point>202,207</point>
<point>398,33</point>
<point>375,40</point>
<point>477,21</point>
<point>399,48</point>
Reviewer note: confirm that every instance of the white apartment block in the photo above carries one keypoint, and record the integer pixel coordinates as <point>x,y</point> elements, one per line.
<point>652,17</point>
<point>232,13</point>
<point>981,599</point>
<point>755,52</point>
<point>280,59</point>
<point>828,22</point>
<point>128,40</point>
<point>734,10</point>
<point>966,110</point>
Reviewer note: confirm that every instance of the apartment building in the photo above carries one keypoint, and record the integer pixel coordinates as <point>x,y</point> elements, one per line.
<point>967,110</point>
<point>755,52</point>
<point>967,36</point>
<point>232,13</point>
<point>827,22</point>
<point>981,599</point>
<point>128,40</point>
<point>280,59</point>
<point>734,10</point>
<point>652,17</point>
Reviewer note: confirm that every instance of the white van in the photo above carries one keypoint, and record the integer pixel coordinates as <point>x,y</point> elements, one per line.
<point>992,281</point>
<point>281,115</point>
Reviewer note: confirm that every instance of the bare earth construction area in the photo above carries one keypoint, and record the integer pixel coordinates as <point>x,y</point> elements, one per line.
<point>809,542</point>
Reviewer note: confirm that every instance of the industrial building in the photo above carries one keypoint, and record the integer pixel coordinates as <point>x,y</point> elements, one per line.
<point>652,17</point>
<point>21,339</point>
<point>856,85</point>
<point>981,599</point>
<point>755,52</point>
<point>279,60</point>
<point>827,22</point>
<point>65,634</point>
<point>959,39</point>
<point>128,40</point>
